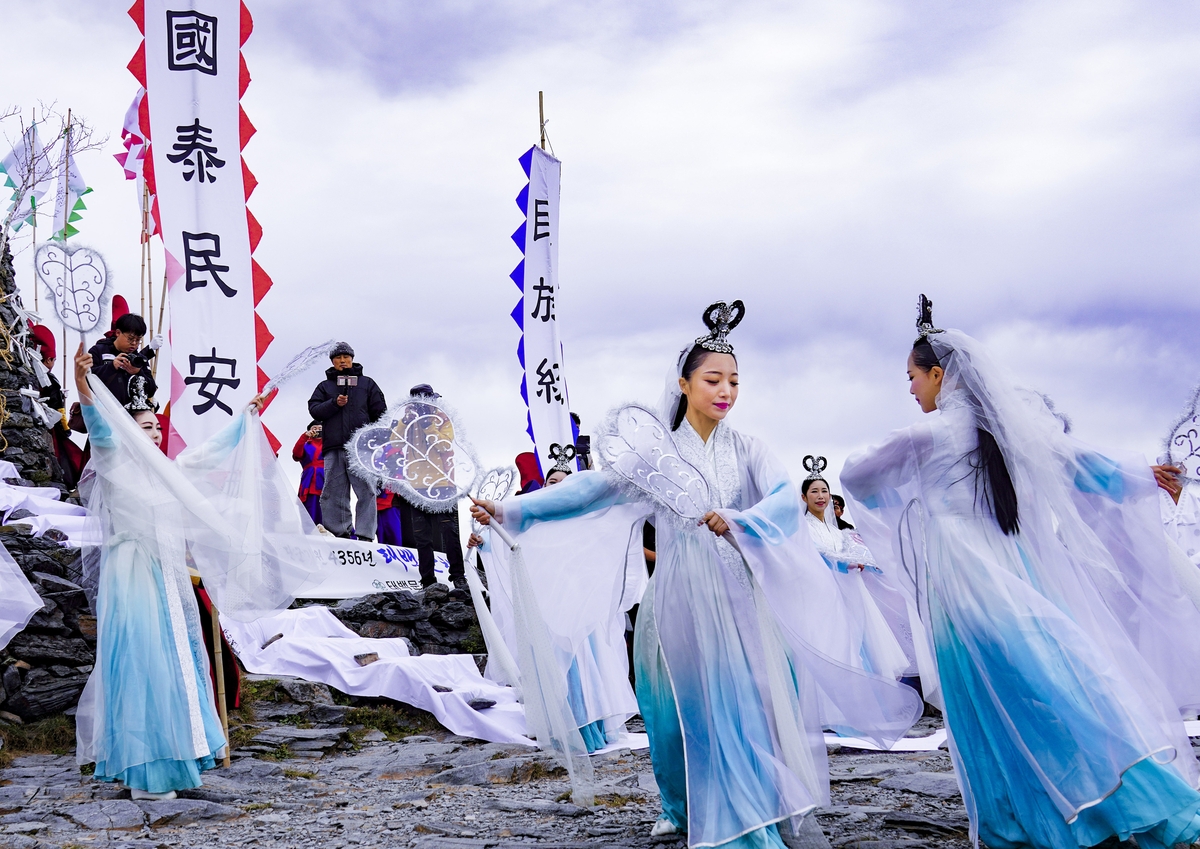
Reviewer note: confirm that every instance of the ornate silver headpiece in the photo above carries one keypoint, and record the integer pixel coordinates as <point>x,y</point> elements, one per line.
<point>720,318</point>
<point>815,466</point>
<point>138,402</point>
<point>562,455</point>
<point>925,318</point>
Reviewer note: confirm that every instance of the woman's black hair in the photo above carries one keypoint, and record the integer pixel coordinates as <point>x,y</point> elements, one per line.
<point>695,359</point>
<point>804,487</point>
<point>991,472</point>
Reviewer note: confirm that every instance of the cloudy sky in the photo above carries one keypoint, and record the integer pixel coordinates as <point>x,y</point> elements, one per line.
<point>1033,166</point>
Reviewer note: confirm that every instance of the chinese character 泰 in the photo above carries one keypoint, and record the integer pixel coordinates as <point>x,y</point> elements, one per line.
<point>548,381</point>
<point>192,42</point>
<point>199,251</point>
<point>197,150</point>
<point>204,381</point>
<point>541,219</point>
<point>545,295</point>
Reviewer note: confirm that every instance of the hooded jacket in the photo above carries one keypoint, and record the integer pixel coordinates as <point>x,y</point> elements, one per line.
<point>104,352</point>
<point>366,404</point>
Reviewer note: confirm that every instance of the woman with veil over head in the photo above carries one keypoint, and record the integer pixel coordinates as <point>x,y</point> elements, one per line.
<point>1062,730</point>
<point>739,655</point>
<point>877,639</point>
<point>147,716</point>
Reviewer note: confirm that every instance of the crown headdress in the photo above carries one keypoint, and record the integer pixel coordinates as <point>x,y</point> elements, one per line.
<point>138,402</point>
<point>720,318</point>
<point>562,455</point>
<point>815,466</point>
<point>925,318</point>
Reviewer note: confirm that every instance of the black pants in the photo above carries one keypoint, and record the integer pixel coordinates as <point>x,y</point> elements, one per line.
<point>434,532</point>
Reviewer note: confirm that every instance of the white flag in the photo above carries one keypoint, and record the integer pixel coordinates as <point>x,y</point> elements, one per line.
<point>68,197</point>
<point>545,385</point>
<point>19,172</point>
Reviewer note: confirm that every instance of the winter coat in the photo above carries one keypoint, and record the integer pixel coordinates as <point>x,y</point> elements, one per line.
<point>312,475</point>
<point>366,404</point>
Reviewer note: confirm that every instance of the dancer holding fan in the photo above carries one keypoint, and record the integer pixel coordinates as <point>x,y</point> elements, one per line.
<point>1062,731</point>
<point>735,673</point>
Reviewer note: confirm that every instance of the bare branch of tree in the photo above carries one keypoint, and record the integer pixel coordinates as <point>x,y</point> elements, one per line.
<point>37,167</point>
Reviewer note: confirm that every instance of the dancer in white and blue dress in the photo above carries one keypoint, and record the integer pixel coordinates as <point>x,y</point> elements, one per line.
<point>1062,735</point>
<point>147,716</point>
<point>730,681</point>
<point>879,648</point>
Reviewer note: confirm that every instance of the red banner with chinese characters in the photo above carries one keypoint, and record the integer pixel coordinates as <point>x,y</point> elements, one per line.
<point>191,65</point>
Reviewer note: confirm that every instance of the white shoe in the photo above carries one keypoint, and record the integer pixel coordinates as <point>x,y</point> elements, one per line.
<point>662,827</point>
<point>145,795</point>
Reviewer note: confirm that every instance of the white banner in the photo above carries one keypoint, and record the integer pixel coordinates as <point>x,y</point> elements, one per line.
<point>354,568</point>
<point>545,383</point>
<point>193,86</point>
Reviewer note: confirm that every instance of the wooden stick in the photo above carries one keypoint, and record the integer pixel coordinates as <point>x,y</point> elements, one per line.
<point>66,190</point>
<point>144,246</point>
<point>162,305</point>
<point>542,119</point>
<point>219,671</point>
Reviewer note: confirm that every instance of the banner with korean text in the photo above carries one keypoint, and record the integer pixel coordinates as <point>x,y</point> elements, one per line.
<point>544,385</point>
<point>191,65</point>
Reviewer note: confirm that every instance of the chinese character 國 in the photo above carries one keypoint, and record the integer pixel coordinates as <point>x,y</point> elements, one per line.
<point>192,42</point>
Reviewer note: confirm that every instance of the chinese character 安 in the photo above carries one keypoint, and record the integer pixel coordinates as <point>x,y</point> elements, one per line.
<point>209,386</point>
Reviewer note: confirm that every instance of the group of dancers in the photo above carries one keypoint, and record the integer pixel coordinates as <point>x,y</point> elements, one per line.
<point>1023,579</point>
<point>1018,575</point>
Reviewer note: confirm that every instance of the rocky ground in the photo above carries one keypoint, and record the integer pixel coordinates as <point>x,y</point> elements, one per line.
<point>311,780</point>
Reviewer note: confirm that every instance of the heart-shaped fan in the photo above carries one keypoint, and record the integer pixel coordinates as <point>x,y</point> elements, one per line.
<point>417,451</point>
<point>638,447</point>
<point>78,279</point>
<point>1183,443</point>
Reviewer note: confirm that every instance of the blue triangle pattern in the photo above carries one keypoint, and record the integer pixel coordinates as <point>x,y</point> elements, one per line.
<point>521,351</point>
<point>526,160</point>
<point>518,314</point>
<point>525,398</point>
<point>518,237</point>
<point>518,275</point>
<point>523,201</point>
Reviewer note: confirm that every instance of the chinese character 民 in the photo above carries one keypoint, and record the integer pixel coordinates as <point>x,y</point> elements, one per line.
<point>199,251</point>
<point>211,380</point>
<point>197,150</point>
<point>541,219</point>
<point>192,42</point>
<point>548,381</point>
<point>545,295</point>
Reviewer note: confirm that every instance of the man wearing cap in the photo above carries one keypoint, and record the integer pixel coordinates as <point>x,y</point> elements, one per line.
<point>343,402</point>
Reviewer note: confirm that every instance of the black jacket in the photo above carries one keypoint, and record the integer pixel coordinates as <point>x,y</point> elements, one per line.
<point>103,353</point>
<point>366,404</point>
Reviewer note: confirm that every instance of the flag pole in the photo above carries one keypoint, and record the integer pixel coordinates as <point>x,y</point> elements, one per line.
<point>33,203</point>
<point>542,119</point>
<point>219,673</point>
<point>162,305</point>
<point>66,190</point>
<point>142,276</point>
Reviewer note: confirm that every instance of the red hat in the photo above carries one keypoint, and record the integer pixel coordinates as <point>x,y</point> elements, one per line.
<point>119,308</point>
<point>527,465</point>
<point>44,337</point>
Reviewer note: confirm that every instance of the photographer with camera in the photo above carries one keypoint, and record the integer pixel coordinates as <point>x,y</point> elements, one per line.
<point>117,361</point>
<point>343,402</point>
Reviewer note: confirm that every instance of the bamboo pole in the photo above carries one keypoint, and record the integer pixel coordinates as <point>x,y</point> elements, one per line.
<point>33,203</point>
<point>219,672</point>
<point>145,246</point>
<point>162,305</point>
<point>542,119</point>
<point>66,190</point>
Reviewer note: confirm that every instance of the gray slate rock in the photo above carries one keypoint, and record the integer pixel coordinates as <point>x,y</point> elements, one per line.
<point>956,827</point>
<point>940,785</point>
<point>186,811</point>
<point>118,814</point>
<point>537,806</point>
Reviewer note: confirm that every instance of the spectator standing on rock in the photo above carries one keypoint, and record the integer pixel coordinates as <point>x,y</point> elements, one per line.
<point>387,507</point>
<point>312,469</point>
<point>343,402</point>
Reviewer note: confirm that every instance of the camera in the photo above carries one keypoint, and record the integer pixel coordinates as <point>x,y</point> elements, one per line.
<point>136,359</point>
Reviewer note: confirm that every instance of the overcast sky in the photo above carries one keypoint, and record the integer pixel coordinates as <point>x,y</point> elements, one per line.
<point>1034,167</point>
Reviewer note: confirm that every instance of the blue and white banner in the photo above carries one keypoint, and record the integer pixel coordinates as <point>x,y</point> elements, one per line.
<point>544,385</point>
<point>354,568</point>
